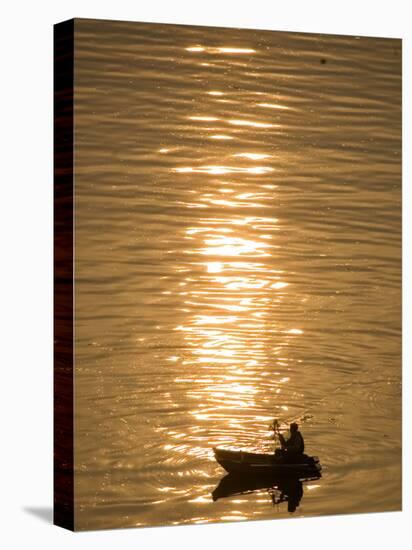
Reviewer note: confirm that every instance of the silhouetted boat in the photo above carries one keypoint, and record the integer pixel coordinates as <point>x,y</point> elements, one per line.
<point>259,463</point>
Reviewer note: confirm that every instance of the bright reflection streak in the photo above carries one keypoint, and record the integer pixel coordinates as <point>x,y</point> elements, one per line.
<point>215,92</point>
<point>251,156</point>
<point>279,285</point>
<point>204,118</point>
<point>212,320</point>
<point>237,122</point>
<point>220,170</point>
<point>273,106</point>
<point>214,267</point>
<point>196,230</point>
<point>244,204</point>
<point>236,50</point>
<point>250,220</point>
<point>241,283</point>
<point>245,196</point>
<point>220,136</point>
<point>232,246</point>
<point>219,49</point>
<point>202,499</point>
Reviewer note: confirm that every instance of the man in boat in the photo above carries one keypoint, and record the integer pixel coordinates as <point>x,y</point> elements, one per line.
<point>293,447</point>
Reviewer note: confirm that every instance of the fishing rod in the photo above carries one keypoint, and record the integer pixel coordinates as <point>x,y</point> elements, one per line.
<point>275,428</point>
<point>276,423</point>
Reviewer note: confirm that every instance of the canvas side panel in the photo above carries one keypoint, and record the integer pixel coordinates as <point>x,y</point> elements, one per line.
<point>63,275</point>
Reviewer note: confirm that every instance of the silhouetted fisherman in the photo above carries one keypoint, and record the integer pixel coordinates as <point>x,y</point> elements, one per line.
<point>293,447</point>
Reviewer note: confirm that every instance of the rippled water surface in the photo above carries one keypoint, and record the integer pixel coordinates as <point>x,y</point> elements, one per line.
<point>238,258</point>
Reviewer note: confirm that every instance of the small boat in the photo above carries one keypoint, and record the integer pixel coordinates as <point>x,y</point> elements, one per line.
<point>263,464</point>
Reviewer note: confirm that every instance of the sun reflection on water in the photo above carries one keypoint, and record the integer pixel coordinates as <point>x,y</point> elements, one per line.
<point>232,281</point>
<point>219,170</point>
<point>227,305</point>
<point>218,50</point>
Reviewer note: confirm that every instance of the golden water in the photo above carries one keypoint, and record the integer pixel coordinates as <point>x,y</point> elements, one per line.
<point>238,258</point>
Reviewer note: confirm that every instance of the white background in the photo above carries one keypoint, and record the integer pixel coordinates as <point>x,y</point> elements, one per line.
<point>26,271</point>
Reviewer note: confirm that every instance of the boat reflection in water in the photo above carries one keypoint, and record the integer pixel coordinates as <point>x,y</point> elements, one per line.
<point>280,488</point>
